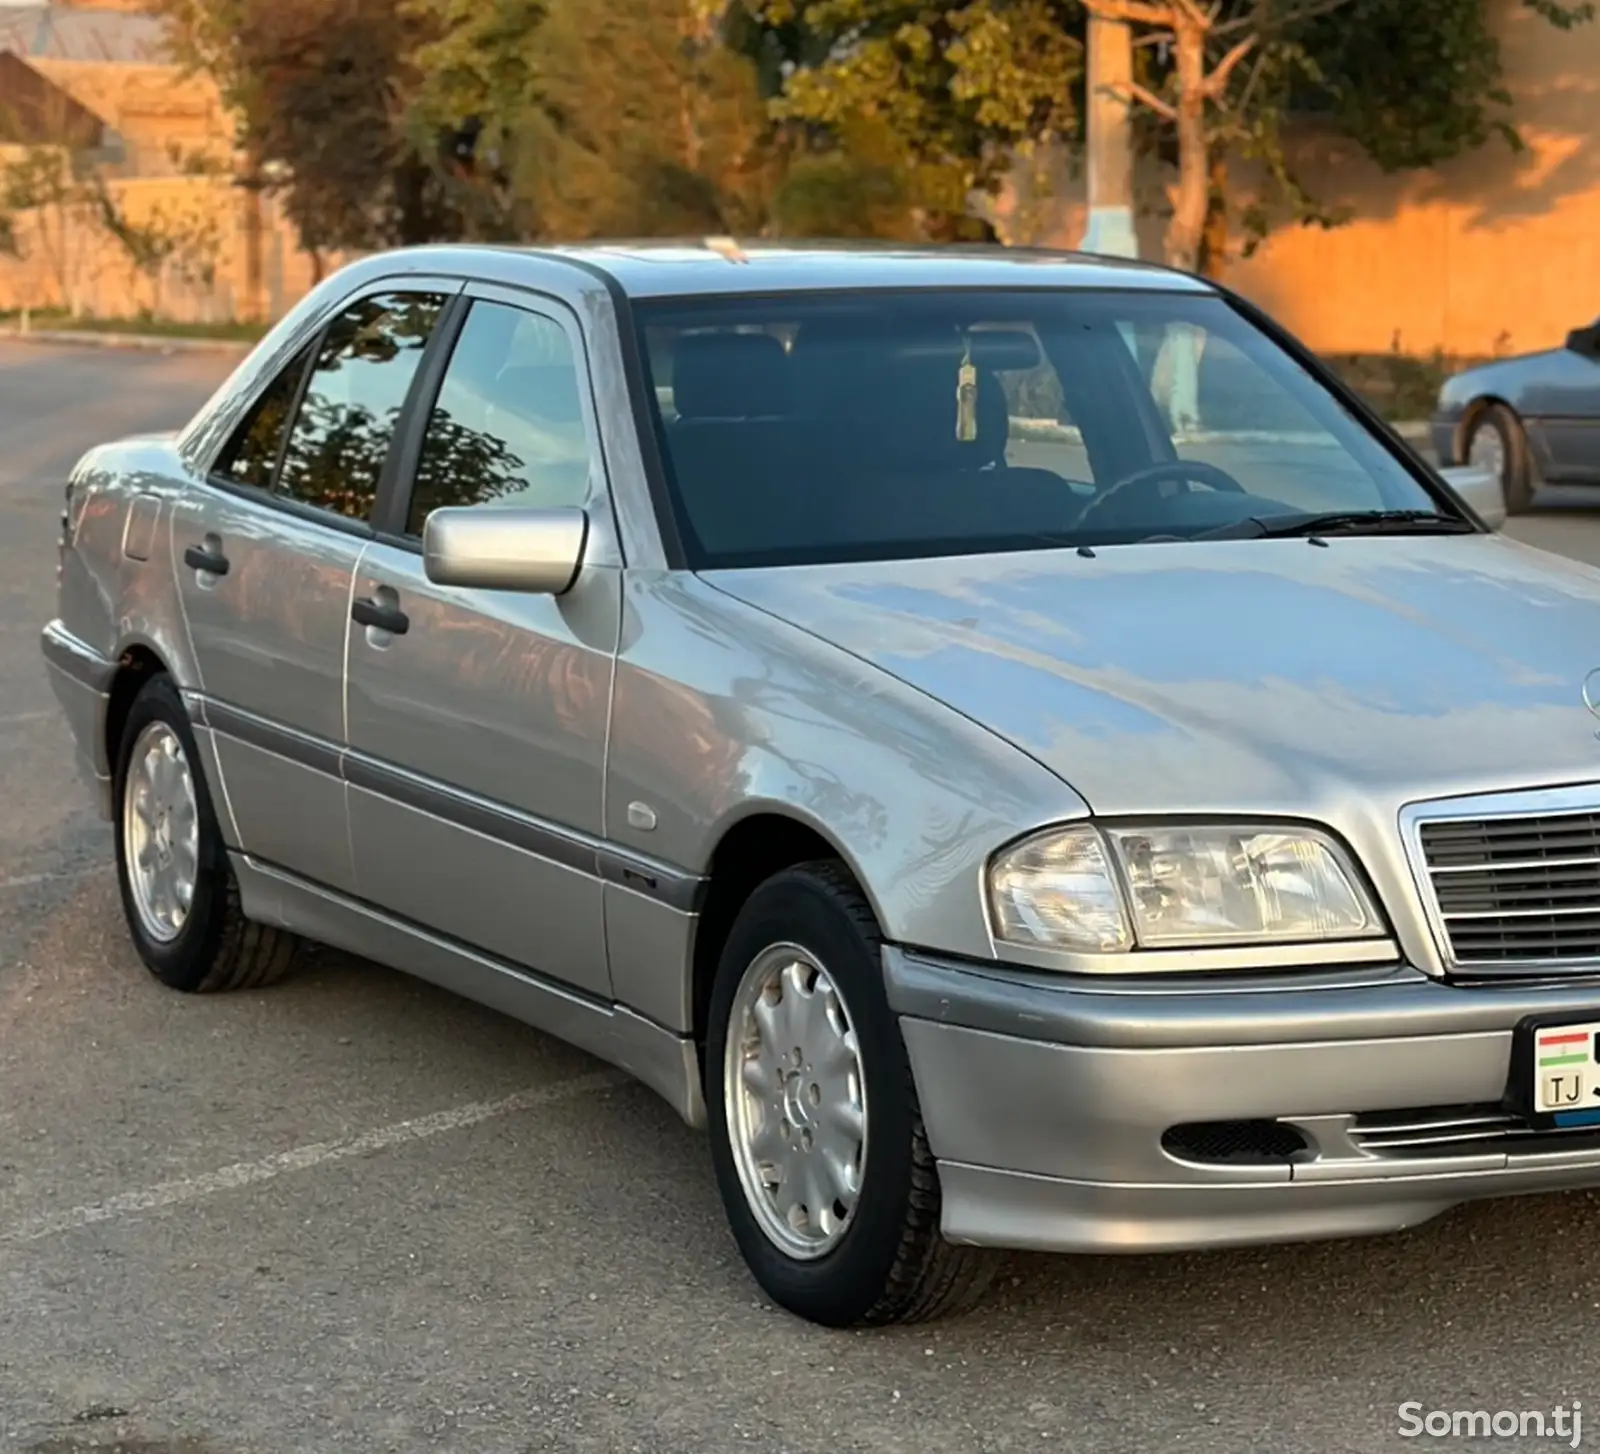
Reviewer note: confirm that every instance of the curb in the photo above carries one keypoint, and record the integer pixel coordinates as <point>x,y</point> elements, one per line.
<point>140,342</point>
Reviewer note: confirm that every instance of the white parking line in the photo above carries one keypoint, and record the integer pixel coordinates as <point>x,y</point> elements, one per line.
<point>15,719</point>
<point>303,1158</point>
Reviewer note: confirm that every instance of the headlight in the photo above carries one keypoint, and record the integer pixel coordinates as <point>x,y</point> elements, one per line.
<point>1106,890</point>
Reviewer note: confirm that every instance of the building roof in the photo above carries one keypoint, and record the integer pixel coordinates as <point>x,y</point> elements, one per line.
<point>65,33</point>
<point>37,112</point>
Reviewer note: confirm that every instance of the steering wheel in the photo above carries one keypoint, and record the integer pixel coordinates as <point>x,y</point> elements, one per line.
<point>1157,474</point>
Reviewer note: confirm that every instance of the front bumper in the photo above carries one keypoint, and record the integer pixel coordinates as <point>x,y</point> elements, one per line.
<point>1046,1103</point>
<point>81,679</point>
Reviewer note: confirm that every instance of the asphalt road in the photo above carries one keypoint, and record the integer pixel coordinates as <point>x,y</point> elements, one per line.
<point>352,1213</point>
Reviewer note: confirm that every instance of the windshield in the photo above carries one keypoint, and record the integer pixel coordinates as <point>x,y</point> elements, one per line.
<point>808,428</point>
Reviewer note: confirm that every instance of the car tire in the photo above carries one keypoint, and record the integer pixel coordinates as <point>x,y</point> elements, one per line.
<point>169,848</point>
<point>1498,428</point>
<point>887,1261</point>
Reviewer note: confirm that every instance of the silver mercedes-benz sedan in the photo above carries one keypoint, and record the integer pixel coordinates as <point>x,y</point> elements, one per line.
<point>1004,741</point>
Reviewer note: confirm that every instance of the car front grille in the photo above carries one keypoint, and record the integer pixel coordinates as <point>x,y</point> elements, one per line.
<point>1516,892</point>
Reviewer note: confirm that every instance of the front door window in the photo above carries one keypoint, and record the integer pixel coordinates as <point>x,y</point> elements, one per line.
<point>507,428</point>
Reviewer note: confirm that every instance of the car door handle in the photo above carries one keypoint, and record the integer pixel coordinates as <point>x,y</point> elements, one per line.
<point>386,618</point>
<point>199,557</point>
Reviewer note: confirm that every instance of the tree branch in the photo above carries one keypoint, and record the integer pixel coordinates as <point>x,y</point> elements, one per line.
<point>1295,13</point>
<point>1196,13</point>
<point>1145,97</point>
<point>1139,12</point>
<point>1255,77</point>
<point>1217,82</point>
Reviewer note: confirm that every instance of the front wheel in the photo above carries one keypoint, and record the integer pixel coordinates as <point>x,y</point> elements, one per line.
<point>816,1132</point>
<point>1496,441</point>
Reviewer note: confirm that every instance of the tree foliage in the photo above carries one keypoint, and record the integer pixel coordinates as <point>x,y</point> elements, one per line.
<point>1413,83</point>
<point>949,93</point>
<point>898,111</point>
<point>1217,69</point>
<point>1418,82</point>
<point>596,119</point>
<point>323,93</point>
<point>398,121</point>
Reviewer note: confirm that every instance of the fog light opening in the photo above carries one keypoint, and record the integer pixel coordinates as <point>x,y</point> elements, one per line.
<point>1236,1143</point>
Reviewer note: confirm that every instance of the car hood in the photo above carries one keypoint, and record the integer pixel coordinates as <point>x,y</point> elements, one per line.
<point>1228,675</point>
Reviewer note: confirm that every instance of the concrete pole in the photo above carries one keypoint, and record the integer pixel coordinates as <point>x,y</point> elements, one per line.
<point>1110,151</point>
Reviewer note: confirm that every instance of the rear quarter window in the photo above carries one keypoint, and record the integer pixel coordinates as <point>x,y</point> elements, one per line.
<point>251,453</point>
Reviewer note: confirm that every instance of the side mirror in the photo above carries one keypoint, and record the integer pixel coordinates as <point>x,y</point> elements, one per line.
<point>510,549</point>
<point>1481,490</point>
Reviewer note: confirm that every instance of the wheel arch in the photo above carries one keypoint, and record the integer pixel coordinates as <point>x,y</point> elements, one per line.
<point>137,662</point>
<point>749,850</point>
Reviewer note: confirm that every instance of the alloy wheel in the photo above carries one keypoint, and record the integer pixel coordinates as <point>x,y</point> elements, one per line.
<point>795,1097</point>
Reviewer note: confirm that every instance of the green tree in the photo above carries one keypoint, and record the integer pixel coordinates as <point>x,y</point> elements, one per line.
<point>599,117</point>
<point>896,112</point>
<point>1210,111</point>
<point>324,94</point>
<point>1417,82</point>
<point>941,99</point>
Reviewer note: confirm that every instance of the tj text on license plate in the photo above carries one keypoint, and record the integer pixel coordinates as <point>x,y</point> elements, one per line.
<point>1566,1072</point>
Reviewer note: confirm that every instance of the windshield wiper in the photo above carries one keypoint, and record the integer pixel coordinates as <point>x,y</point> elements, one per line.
<point>1342,522</point>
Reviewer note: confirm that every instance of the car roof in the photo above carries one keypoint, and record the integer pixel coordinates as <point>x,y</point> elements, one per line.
<point>706,266</point>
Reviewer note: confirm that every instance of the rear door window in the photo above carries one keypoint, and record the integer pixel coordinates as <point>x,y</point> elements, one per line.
<point>358,386</point>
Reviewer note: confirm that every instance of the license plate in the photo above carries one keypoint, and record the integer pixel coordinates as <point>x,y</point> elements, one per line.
<point>1561,1064</point>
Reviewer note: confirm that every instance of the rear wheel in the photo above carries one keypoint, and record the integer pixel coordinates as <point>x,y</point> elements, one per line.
<point>178,890</point>
<point>817,1136</point>
<point>1495,441</point>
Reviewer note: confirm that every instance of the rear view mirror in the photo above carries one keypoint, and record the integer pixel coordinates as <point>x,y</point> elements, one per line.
<point>1585,340</point>
<point>1481,490</point>
<point>1004,349</point>
<point>511,549</point>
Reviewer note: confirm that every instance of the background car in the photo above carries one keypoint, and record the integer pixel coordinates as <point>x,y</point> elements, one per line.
<point>1529,420</point>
